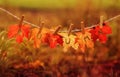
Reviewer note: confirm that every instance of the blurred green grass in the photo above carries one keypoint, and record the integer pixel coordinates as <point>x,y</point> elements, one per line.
<point>59,4</point>
<point>107,3</point>
<point>40,4</point>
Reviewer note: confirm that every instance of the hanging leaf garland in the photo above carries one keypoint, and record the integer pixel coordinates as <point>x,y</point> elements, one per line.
<point>79,41</point>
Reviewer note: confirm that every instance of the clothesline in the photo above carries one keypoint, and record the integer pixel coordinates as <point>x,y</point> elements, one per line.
<point>75,30</point>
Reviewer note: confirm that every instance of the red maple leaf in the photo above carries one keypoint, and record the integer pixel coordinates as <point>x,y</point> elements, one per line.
<point>19,38</point>
<point>94,33</point>
<point>100,33</point>
<point>45,38</point>
<point>25,29</point>
<point>102,38</point>
<point>12,31</point>
<point>18,32</point>
<point>52,39</point>
<point>106,29</point>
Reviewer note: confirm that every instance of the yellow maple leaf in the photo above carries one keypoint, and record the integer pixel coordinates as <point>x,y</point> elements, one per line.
<point>68,41</point>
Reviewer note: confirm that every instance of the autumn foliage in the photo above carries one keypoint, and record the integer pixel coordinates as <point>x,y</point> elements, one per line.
<point>79,40</point>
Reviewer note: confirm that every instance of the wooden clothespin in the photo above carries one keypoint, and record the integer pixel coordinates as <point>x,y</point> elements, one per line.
<point>57,30</point>
<point>21,21</point>
<point>70,29</point>
<point>41,26</point>
<point>82,27</point>
<point>101,21</point>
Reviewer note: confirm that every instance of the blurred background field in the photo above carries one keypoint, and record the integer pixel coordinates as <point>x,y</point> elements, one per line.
<point>55,61</point>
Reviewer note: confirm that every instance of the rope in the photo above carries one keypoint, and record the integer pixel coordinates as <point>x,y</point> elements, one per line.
<point>16,17</point>
<point>75,30</point>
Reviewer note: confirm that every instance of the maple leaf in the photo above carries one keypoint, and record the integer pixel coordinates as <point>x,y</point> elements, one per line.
<point>25,29</point>
<point>37,37</point>
<point>55,40</point>
<point>18,32</point>
<point>35,32</point>
<point>19,38</point>
<point>12,31</point>
<point>37,42</point>
<point>52,39</point>
<point>45,38</point>
<point>34,37</point>
<point>100,33</point>
<point>102,38</point>
<point>94,36</point>
<point>106,29</point>
<point>84,40</point>
<point>68,41</point>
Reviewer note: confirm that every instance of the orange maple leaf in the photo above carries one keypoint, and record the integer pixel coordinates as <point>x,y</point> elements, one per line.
<point>84,40</point>
<point>37,37</point>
